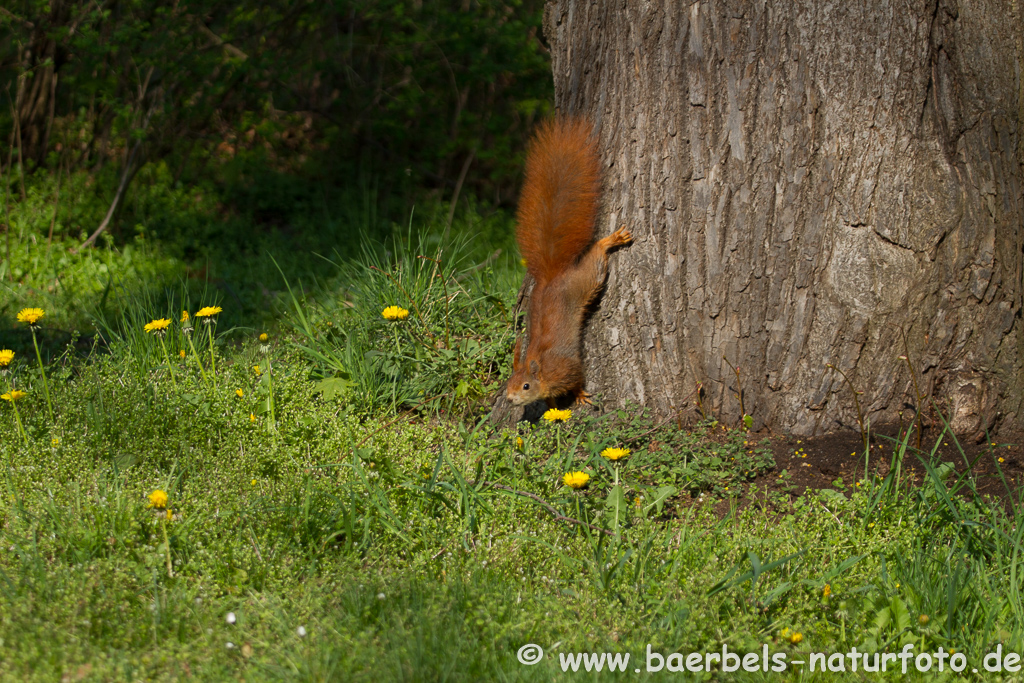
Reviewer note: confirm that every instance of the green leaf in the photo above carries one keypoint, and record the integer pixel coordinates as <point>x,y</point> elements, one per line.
<point>832,495</point>
<point>900,613</point>
<point>617,506</point>
<point>332,387</point>
<point>660,496</point>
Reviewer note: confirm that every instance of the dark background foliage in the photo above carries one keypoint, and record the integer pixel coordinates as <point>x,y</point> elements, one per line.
<point>280,111</point>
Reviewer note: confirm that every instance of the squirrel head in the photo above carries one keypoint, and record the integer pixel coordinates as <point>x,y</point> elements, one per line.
<point>524,386</point>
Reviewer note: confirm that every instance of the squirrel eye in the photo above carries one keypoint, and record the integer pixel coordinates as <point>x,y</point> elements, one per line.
<point>526,387</point>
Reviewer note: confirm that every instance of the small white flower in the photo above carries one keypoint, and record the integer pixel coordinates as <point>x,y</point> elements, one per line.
<point>380,596</point>
<point>231,617</point>
<point>231,645</point>
<point>301,631</point>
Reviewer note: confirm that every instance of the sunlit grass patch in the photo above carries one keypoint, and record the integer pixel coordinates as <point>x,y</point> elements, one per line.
<point>289,505</point>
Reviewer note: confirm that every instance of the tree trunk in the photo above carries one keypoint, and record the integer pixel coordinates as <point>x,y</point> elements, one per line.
<point>41,62</point>
<point>808,183</point>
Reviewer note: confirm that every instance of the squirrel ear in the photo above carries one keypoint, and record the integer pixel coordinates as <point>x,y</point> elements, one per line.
<point>515,354</point>
<point>534,368</point>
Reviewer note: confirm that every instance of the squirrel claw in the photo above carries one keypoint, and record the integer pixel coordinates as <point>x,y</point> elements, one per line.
<point>583,397</point>
<point>621,236</point>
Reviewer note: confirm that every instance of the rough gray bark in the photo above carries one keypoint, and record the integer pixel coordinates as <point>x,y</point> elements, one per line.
<point>807,183</point>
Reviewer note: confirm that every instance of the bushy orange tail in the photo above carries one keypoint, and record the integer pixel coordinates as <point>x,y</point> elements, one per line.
<point>560,197</point>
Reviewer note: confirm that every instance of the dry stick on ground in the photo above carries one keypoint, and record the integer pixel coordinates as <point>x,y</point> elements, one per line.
<point>455,195</point>
<point>125,176</point>
<point>129,167</point>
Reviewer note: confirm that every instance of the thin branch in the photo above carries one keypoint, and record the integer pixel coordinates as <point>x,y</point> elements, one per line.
<point>16,113</point>
<point>480,266</point>
<point>125,177</point>
<point>129,169</point>
<point>455,195</point>
<point>220,42</point>
<point>15,18</point>
<point>7,195</point>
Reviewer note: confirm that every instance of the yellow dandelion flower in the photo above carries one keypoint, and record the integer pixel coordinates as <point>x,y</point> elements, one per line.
<point>30,315</point>
<point>576,480</point>
<point>252,417</point>
<point>395,313</point>
<point>253,482</point>
<point>207,311</point>
<point>158,499</point>
<point>796,638</point>
<point>256,369</point>
<point>615,453</point>
<point>519,442</point>
<point>158,325</point>
<point>264,337</point>
<point>239,393</point>
<point>182,353</point>
<point>54,442</point>
<point>13,395</point>
<point>184,316</point>
<point>827,592</point>
<point>1001,460</point>
<point>170,515</point>
<point>6,356</point>
<point>555,415</point>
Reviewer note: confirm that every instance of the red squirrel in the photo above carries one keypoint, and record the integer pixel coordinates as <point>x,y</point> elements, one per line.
<point>557,211</point>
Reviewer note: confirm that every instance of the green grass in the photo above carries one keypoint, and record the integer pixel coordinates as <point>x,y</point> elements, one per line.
<point>344,513</point>
<point>172,244</point>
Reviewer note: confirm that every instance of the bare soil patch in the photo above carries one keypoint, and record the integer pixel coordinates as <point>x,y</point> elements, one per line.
<point>820,462</point>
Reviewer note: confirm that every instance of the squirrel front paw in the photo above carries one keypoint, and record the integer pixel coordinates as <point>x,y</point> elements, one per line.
<point>582,397</point>
<point>620,237</point>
